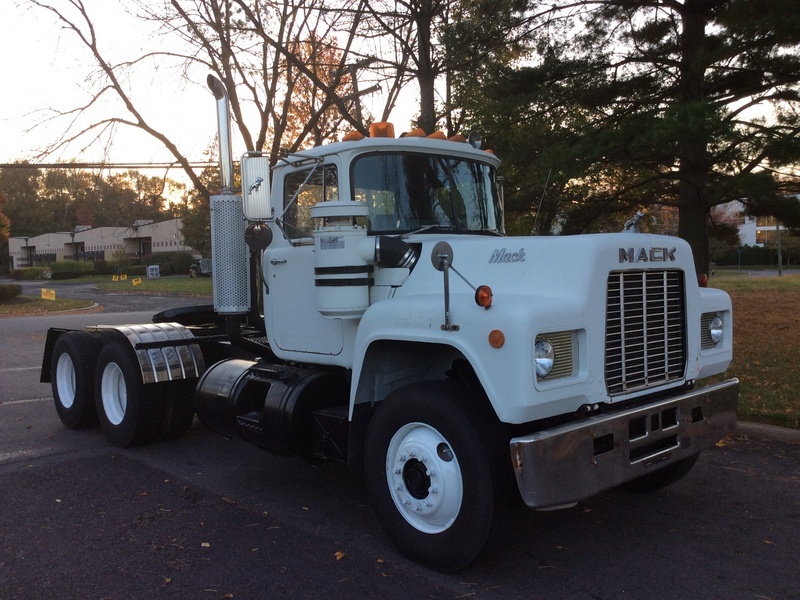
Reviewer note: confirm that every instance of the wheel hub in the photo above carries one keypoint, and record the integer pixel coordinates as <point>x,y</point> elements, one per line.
<point>114,393</point>
<point>424,477</point>
<point>65,380</point>
<point>416,479</point>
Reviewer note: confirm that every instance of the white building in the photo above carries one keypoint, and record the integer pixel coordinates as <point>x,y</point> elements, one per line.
<point>753,231</point>
<point>143,238</point>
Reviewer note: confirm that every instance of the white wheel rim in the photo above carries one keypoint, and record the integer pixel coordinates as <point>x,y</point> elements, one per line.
<point>65,380</point>
<point>424,478</point>
<point>115,393</point>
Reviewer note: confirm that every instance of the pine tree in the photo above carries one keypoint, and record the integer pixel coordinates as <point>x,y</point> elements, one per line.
<point>631,103</point>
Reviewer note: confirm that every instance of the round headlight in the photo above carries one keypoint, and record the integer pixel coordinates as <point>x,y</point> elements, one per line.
<point>544,356</point>
<point>715,329</point>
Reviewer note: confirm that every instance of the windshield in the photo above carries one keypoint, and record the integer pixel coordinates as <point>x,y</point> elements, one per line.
<point>407,191</point>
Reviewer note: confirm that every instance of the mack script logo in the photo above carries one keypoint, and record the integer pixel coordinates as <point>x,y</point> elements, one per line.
<point>635,255</point>
<point>503,256</point>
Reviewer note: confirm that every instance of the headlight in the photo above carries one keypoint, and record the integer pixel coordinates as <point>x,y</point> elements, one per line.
<point>544,356</point>
<point>712,330</point>
<point>715,329</point>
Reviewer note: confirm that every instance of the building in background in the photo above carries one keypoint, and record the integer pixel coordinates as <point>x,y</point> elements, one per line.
<point>141,239</point>
<point>753,231</point>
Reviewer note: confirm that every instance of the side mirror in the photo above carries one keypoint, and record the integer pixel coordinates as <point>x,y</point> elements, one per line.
<point>256,202</point>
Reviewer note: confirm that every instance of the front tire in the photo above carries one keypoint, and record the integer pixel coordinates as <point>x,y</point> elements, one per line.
<point>438,473</point>
<point>130,412</point>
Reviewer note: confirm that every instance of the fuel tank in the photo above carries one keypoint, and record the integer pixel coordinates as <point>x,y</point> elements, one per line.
<point>267,405</point>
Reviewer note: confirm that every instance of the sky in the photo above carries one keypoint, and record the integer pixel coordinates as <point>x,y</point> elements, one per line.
<point>51,70</point>
<point>45,67</point>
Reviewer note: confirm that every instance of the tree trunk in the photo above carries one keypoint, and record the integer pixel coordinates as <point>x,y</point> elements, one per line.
<point>693,166</point>
<point>693,208</point>
<point>426,75</point>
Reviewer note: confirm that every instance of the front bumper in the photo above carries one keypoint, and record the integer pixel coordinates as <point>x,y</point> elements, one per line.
<point>575,461</point>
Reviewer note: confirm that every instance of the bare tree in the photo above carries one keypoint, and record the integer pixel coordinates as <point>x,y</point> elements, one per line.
<point>83,27</point>
<point>253,47</point>
<point>431,42</point>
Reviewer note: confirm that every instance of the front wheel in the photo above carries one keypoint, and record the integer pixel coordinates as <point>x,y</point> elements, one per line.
<point>438,474</point>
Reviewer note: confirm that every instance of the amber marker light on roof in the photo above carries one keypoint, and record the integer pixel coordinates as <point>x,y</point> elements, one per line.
<point>496,338</point>
<point>483,296</point>
<point>353,136</point>
<point>381,129</point>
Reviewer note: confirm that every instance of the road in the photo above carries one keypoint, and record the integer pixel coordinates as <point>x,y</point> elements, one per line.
<point>206,517</point>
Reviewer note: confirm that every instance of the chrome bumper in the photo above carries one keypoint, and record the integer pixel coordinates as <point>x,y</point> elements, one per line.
<point>575,461</point>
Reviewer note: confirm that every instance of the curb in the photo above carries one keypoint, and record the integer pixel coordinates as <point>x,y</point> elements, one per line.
<point>768,432</point>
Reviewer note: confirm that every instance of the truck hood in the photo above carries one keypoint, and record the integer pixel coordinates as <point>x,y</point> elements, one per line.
<point>547,265</point>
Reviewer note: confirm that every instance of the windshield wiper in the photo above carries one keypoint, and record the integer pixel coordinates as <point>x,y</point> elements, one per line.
<point>453,229</point>
<point>432,229</point>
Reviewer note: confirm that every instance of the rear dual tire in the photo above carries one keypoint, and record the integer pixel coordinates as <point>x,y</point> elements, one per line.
<point>95,376</point>
<point>132,413</point>
<point>72,378</point>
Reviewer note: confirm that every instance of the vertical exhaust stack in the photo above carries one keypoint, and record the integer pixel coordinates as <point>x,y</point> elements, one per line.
<point>224,128</point>
<point>229,252</point>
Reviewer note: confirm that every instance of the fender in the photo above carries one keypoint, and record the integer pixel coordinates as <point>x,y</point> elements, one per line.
<point>505,373</point>
<point>165,351</point>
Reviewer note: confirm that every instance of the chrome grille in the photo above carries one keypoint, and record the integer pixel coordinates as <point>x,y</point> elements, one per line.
<point>645,330</point>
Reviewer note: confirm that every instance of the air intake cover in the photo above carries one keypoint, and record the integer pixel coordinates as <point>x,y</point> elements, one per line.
<point>231,255</point>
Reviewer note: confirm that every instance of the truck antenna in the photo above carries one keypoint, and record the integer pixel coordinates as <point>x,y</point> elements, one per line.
<point>541,201</point>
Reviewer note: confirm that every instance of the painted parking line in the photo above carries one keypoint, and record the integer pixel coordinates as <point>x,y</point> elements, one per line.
<point>28,401</point>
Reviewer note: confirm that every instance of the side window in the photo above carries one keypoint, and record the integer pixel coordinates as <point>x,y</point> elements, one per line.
<point>322,185</point>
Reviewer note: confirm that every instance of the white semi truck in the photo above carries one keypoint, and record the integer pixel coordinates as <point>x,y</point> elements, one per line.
<point>368,308</point>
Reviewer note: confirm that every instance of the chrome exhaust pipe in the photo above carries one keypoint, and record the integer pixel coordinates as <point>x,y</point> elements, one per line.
<point>224,128</point>
<point>229,252</point>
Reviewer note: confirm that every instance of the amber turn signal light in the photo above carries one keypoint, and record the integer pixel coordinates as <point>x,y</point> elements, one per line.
<point>483,296</point>
<point>496,338</point>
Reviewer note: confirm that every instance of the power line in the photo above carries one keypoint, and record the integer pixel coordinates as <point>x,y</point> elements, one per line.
<point>105,165</point>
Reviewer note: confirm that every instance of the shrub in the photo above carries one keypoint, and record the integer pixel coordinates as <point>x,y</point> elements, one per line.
<point>9,291</point>
<point>101,267</point>
<point>71,269</point>
<point>133,270</point>
<point>748,255</point>
<point>30,273</point>
<point>120,262</point>
<point>171,263</point>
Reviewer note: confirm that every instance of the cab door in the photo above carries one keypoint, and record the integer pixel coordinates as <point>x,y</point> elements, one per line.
<point>290,308</point>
